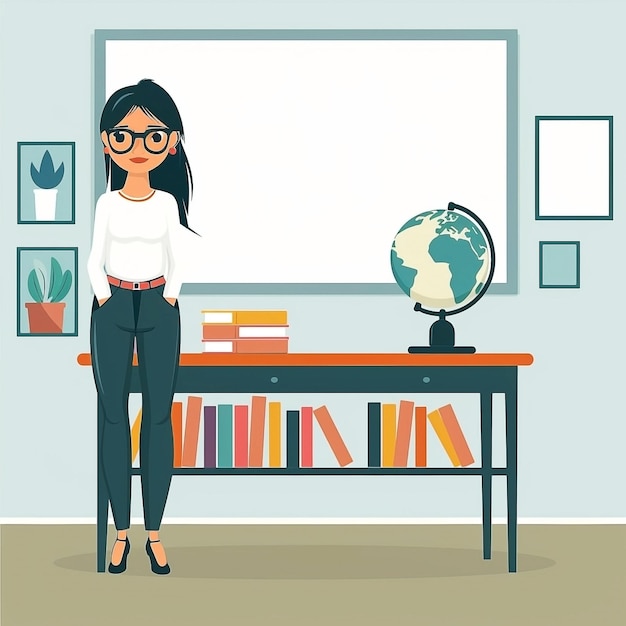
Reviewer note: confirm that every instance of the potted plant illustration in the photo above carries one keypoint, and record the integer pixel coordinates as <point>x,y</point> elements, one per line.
<point>47,289</point>
<point>47,180</point>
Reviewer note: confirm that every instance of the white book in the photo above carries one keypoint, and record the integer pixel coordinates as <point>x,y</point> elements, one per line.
<point>218,346</point>
<point>218,317</point>
<point>262,331</point>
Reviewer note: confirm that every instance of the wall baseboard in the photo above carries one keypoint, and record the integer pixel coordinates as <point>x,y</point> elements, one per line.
<point>321,520</point>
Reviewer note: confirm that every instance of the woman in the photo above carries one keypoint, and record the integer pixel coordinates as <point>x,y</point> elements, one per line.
<point>134,269</point>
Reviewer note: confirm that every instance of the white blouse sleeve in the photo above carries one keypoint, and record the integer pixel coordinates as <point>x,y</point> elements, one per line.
<point>97,256</point>
<point>174,250</point>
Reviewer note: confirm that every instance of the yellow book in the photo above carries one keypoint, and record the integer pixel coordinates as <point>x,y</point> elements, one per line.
<point>389,434</point>
<point>244,317</point>
<point>274,433</point>
<point>134,436</point>
<point>442,432</point>
<point>260,317</point>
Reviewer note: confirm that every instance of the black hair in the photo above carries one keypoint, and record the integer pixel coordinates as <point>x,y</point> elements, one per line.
<point>174,174</point>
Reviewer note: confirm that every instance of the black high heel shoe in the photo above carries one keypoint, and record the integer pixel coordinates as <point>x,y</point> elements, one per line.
<point>121,566</point>
<point>156,568</point>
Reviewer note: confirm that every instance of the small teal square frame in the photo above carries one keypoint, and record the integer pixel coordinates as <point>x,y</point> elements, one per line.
<point>559,264</point>
<point>32,205</point>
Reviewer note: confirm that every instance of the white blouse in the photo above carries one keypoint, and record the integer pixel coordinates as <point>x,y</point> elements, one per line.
<point>135,240</point>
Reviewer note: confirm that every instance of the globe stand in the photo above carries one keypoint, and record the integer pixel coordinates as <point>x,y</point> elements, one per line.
<point>441,337</point>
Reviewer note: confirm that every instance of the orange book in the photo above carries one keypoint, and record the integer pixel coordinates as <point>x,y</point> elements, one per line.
<point>389,434</point>
<point>134,436</point>
<point>241,435</point>
<point>442,432</point>
<point>403,434</point>
<point>457,437</point>
<point>274,433</point>
<point>177,432</point>
<point>332,435</point>
<point>420,436</point>
<point>219,331</point>
<point>257,431</point>
<point>192,431</point>
<point>306,436</point>
<point>262,346</point>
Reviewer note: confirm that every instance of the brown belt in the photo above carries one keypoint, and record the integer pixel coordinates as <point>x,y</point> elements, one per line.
<point>146,284</point>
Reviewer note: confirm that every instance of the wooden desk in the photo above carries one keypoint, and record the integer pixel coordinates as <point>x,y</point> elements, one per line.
<point>484,374</point>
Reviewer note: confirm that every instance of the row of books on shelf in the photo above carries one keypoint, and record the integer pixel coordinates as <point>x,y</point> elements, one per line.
<point>235,435</point>
<point>244,331</point>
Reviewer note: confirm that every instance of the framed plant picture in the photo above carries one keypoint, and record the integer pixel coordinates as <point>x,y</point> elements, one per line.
<point>47,292</point>
<point>46,188</point>
<point>574,167</point>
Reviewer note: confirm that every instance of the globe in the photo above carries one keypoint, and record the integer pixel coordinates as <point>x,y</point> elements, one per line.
<point>444,261</point>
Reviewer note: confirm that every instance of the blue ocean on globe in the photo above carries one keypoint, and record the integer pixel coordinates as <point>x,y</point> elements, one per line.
<point>441,259</point>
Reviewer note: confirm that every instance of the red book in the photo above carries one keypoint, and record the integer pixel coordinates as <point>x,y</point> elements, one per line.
<point>241,435</point>
<point>420,436</point>
<point>257,431</point>
<point>177,432</point>
<point>306,436</point>
<point>403,433</point>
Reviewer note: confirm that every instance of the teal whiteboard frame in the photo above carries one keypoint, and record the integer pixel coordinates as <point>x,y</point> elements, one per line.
<point>507,35</point>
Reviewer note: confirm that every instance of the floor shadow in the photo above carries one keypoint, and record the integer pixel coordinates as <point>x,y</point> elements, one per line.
<point>323,562</point>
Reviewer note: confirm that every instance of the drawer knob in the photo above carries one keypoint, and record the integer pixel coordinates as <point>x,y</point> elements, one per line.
<point>426,379</point>
<point>274,379</point>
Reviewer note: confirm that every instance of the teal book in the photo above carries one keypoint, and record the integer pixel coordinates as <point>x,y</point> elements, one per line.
<point>293,439</point>
<point>373,434</point>
<point>224,435</point>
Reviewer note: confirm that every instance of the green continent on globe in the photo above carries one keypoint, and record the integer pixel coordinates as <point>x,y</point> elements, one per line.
<point>404,274</point>
<point>462,260</point>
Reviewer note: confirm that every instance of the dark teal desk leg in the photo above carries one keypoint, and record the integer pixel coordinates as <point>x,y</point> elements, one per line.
<point>486,439</point>
<point>510,400</point>
<point>103,501</point>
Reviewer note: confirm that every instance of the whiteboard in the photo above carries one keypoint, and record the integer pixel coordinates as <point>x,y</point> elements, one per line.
<point>310,149</point>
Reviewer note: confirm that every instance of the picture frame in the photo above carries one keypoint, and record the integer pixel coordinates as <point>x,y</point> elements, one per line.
<point>46,186</point>
<point>559,264</point>
<point>47,292</point>
<point>574,167</point>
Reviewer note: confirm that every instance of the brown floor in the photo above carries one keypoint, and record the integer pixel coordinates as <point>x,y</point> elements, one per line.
<point>318,576</point>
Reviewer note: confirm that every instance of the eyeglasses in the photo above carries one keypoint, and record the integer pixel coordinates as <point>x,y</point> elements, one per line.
<point>155,140</point>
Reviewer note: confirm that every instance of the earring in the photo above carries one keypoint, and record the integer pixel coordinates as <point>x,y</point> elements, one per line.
<point>172,150</point>
<point>106,150</point>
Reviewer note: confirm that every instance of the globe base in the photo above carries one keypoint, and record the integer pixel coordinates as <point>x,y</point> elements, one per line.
<point>442,340</point>
<point>442,349</point>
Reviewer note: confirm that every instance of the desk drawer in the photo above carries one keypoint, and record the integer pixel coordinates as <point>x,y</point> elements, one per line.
<point>341,379</point>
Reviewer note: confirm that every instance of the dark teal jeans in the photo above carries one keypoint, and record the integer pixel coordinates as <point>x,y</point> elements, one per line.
<point>148,317</point>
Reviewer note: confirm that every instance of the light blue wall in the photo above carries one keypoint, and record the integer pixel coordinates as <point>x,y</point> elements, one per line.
<point>572,427</point>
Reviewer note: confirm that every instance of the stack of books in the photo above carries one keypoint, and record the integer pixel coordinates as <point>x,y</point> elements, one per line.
<point>244,331</point>
<point>246,435</point>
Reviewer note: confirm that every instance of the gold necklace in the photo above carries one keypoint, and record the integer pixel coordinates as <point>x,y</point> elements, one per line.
<point>137,199</point>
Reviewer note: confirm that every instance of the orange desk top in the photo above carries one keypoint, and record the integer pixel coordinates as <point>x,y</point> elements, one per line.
<point>353,358</point>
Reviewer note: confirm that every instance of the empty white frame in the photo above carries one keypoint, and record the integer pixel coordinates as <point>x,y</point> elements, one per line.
<point>574,167</point>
